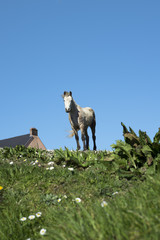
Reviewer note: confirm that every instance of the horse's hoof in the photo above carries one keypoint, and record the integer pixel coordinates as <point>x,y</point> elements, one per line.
<point>85,150</point>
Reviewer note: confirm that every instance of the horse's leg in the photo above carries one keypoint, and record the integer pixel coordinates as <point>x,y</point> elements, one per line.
<point>87,139</point>
<point>77,139</point>
<point>93,128</point>
<point>83,137</point>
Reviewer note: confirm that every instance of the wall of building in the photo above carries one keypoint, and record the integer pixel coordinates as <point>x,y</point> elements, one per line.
<point>36,143</point>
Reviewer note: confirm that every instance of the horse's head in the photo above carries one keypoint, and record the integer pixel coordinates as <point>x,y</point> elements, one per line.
<point>67,97</point>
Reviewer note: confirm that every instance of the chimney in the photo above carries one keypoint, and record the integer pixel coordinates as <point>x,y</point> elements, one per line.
<point>33,132</point>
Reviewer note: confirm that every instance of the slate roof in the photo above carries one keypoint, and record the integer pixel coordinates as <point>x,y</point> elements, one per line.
<point>13,142</point>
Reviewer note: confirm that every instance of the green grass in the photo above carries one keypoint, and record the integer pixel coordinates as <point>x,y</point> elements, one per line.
<point>133,202</point>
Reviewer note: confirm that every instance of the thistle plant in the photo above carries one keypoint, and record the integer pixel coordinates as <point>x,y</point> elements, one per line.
<point>139,150</point>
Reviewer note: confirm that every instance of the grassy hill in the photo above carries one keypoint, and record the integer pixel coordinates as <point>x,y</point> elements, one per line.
<point>65,195</point>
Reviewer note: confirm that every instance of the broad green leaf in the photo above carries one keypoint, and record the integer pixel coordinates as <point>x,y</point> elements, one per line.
<point>156,138</point>
<point>131,139</point>
<point>131,131</point>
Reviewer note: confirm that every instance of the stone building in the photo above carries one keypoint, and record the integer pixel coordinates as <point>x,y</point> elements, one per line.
<point>27,140</point>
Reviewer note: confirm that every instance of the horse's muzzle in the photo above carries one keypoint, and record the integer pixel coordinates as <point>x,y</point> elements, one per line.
<point>67,110</point>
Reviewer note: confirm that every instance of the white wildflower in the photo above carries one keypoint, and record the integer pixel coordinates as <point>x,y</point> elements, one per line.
<point>23,219</point>
<point>31,217</point>
<point>71,169</point>
<point>114,193</point>
<point>78,200</point>
<point>38,214</point>
<point>104,204</point>
<point>43,231</point>
<point>59,200</point>
<point>11,163</point>
<point>50,163</point>
<point>51,168</point>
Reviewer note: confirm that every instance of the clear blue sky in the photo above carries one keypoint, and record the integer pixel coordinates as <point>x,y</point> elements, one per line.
<point>107,52</point>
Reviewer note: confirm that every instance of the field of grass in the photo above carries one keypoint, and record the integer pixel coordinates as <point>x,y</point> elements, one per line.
<point>67,195</point>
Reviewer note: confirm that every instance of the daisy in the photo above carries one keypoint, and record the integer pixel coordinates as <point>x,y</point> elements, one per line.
<point>71,169</point>
<point>51,168</point>
<point>104,204</point>
<point>23,219</point>
<point>78,200</point>
<point>31,217</point>
<point>38,214</point>
<point>50,163</point>
<point>59,200</point>
<point>114,193</point>
<point>43,231</point>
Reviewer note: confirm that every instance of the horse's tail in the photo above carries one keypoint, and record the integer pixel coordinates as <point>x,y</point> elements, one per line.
<point>71,133</point>
<point>94,119</point>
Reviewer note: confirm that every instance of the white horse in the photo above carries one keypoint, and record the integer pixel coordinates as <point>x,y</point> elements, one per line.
<point>80,119</point>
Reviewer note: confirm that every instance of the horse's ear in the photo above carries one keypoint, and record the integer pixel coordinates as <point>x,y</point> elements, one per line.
<point>70,93</point>
<point>63,94</point>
